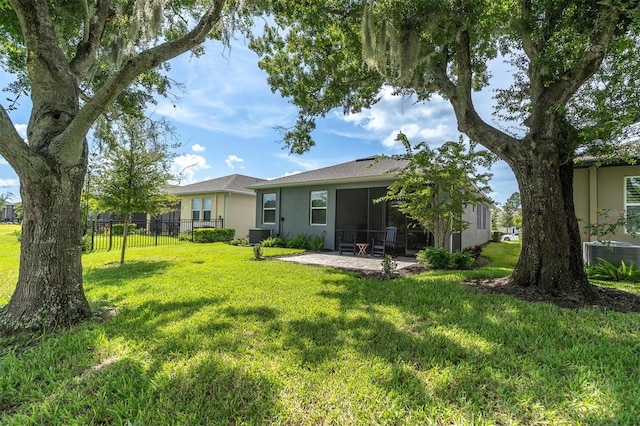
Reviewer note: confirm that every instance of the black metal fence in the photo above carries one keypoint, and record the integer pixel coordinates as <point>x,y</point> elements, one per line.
<point>107,235</point>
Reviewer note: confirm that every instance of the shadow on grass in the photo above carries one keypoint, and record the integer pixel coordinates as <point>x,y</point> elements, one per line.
<point>115,274</point>
<point>493,356</point>
<point>130,390</point>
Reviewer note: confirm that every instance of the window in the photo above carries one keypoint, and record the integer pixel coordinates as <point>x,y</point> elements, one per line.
<point>481,216</point>
<point>206,208</point>
<point>318,207</point>
<point>269,208</point>
<point>195,208</point>
<point>632,203</point>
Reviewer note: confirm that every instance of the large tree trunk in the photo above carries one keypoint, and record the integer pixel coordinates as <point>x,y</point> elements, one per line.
<point>49,290</point>
<point>551,257</point>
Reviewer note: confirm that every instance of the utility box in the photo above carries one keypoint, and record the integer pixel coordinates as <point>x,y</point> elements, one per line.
<point>256,235</point>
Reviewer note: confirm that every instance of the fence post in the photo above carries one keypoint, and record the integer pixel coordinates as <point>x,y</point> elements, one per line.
<point>156,229</point>
<point>93,233</point>
<point>110,234</point>
<point>192,233</point>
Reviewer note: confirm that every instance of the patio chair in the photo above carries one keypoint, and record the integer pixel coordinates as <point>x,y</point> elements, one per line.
<point>347,240</point>
<point>387,244</point>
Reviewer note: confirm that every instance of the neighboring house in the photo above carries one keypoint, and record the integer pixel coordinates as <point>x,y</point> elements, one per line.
<point>615,187</point>
<point>8,213</point>
<point>221,202</point>
<point>335,199</point>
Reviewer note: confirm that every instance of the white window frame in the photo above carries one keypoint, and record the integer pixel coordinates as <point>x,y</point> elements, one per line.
<point>628,203</point>
<point>264,209</point>
<point>481,216</point>
<point>313,208</point>
<point>205,209</point>
<point>195,202</point>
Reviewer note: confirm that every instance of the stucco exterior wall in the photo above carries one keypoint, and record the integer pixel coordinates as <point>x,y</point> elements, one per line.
<point>293,204</point>
<point>239,213</point>
<point>474,236</point>
<point>599,188</point>
<point>236,210</point>
<point>292,210</point>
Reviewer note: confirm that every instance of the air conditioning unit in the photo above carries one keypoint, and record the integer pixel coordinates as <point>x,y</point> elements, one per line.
<point>613,252</point>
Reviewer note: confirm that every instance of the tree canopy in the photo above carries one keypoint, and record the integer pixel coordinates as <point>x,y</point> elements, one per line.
<point>133,171</point>
<point>573,63</point>
<point>77,61</point>
<point>437,184</point>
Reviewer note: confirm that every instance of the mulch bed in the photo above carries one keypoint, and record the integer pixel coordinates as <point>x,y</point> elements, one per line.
<point>608,298</point>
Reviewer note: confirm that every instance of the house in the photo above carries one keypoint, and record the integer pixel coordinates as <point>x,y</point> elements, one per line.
<point>8,213</point>
<point>221,202</point>
<point>329,201</point>
<point>612,186</point>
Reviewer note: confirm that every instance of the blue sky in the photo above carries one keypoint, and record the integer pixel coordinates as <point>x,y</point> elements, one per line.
<point>227,115</point>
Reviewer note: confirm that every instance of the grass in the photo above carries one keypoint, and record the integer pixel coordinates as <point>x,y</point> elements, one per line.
<point>202,334</point>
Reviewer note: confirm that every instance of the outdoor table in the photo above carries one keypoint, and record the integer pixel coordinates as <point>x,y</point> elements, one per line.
<point>362,248</point>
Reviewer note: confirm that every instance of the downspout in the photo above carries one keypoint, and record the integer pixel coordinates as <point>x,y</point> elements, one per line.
<point>593,198</point>
<point>279,217</point>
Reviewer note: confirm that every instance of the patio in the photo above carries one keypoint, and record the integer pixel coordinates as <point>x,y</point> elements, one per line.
<point>347,261</point>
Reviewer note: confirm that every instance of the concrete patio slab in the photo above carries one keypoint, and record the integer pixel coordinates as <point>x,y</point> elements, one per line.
<point>346,261</point>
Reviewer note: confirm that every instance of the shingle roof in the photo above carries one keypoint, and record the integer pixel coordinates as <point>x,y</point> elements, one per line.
<point>624,154</point>
<point>233,183</point>
<point>364,169</point>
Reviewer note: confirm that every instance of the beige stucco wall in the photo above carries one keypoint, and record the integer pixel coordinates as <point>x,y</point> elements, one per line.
<point>237,210</point>
<point>599,188</point>
<point>240,214</point>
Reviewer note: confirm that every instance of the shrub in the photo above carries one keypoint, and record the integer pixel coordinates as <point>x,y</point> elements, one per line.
<point>185,236</point>
<point>496,236</point>
<point>86,243</point>
<point>118,228</point>
<point>438,257</point>
<point>239,241</point>
<point>298,242</point>
<point>273,242</point>
<point>388,266</point>
<point>316,243</point>
<point>257,251</point>
<point>18,234</point>
<point>462,260</point>
<point>213,235</point>
<point>608,272</point>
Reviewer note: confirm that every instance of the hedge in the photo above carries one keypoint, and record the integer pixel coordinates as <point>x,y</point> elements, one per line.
<point>118,228</point>
<point>212,235</point>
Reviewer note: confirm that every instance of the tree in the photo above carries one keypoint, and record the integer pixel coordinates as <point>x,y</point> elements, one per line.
<point>134,170</point>
<point>75,59</point>
<point>511,211</point>
<point>437,184</point>
<point>4,199</point>
<point>573,62</point>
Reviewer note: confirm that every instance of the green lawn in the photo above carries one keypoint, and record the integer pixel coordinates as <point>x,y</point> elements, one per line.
<point>202,334</point>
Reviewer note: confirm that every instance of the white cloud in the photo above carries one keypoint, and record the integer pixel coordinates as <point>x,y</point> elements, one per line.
<point>198,148</point>
<point>431,122</point>
<point>6,183</point>
<point>22,130</point>
<point>187,165</point>
<point>232,160</point>
<point>416,134</point>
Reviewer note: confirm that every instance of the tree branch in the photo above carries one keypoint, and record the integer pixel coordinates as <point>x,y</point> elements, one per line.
<point>135,66</point>
<point>87,47</point>
<point>13,148</point>
<point>54,91</point>
<point>459,94</point>
<point>563,89</point>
